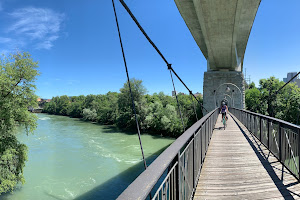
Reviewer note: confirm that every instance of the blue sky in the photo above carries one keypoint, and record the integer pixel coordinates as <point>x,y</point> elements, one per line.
<point>76,44</point>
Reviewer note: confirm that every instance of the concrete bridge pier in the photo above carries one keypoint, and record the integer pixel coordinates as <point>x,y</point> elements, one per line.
<point>221,30</point>
<point>223,85</point>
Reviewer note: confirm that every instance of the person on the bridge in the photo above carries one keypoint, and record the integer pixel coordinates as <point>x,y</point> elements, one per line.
<point>224,110</point>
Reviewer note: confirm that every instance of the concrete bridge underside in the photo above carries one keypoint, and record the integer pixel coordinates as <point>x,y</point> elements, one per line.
<point>221,29</point>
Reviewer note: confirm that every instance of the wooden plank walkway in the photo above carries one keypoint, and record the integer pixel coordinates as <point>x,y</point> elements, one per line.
<point>238,166</point>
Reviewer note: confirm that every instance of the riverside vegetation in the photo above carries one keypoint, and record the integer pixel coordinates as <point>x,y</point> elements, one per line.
<point>157,113</point>
<point>285,105</point>
<point>17,84</point>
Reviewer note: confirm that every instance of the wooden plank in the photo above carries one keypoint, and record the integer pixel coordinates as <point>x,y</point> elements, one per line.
<point>238,166</point>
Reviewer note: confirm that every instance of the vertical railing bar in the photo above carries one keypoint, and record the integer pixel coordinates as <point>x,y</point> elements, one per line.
<point>174,184</point>
<point>194,161</point>
<point>280,142</point>
<point>179,177</point>
<point>299,154</point>
<point>275,139</point>
<point>251,122</point>
<point>268,129</point>
<point>169,188</point>
<point>260,129</point>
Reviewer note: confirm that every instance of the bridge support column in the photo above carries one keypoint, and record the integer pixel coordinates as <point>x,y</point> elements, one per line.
<point>218,85</point>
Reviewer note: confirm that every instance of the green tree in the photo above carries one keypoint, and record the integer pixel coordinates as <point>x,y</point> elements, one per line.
<point>288,102</point>
<point>17,82</point>
<point>50,107</point>
<point>62,105</point>
<point>268,87</point>
<point>89,115</point>
<point>253,100</point>
<point>89,101</point>
<point>160,119</point>
<point>251,85</point>
<point>126,117</point>
<point>75,109</point>
<point>283,105</point>
<point>108,109</point>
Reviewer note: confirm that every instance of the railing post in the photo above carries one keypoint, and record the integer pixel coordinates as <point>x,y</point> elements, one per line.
<point>210,127</point>
<point>255,125</point>
<point>299,154</point>
<point>194,161</point>
<point>205,138</point>
<point>260,129</point>
<point>206,135</point>
<point>268,127</point>
<point>201,141</point>
<point>280,141</point>
<point>247,121</point>
<point>178,181</point>
<point>241,115</point>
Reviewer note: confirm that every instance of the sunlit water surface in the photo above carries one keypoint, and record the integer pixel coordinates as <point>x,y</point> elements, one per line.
<point>72,159</point>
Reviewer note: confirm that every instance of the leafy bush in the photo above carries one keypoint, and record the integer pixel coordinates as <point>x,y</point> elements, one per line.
<point>90,115</point>
<point>17,76</point>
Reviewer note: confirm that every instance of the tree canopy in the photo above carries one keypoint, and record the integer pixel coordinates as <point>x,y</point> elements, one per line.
<point>17,77</point>
<point>284,105</point>
<point>157,113</point>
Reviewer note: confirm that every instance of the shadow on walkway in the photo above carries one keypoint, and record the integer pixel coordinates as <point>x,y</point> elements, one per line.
<point>258,149</point>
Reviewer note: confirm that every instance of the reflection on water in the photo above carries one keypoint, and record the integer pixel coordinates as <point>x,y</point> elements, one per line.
<point>72,159</point>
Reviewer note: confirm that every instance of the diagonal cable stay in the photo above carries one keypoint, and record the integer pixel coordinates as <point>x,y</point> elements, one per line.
<point>158,51</point>
<point>128,80</point>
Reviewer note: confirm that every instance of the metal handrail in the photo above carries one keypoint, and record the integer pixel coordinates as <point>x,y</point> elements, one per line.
<point>286,137</point>
<point>142,186</point>
<point>268,117</point>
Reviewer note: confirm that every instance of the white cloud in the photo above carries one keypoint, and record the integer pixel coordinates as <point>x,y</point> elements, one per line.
<point>40,26</point>
<point>4,40</point>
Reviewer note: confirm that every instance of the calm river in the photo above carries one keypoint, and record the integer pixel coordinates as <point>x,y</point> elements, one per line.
<point>72,159</point>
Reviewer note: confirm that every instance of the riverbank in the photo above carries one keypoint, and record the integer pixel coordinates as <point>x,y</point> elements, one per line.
<point>157,113</point>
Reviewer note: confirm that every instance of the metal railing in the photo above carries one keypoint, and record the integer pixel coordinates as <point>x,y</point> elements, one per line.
<point>179,165</point>
<point>280,137</point>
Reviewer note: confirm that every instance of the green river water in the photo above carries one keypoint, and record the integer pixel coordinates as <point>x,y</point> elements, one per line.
<point>72,159</point>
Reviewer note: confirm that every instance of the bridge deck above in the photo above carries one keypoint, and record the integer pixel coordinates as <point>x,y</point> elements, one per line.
<point>238,166</point>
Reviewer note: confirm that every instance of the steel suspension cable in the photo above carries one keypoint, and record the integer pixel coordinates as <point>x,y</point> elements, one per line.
<point>177,101</point>
<point>287,83</point>
<point>275,93</point>
<point>155,47</point>
<point>128,80</point>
